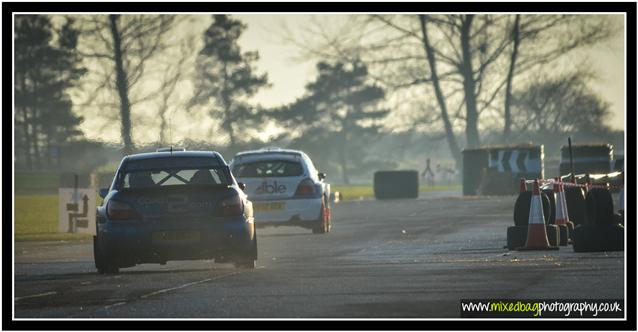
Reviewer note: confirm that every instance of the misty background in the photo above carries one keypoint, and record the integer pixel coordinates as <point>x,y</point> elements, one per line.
<point>358,93</point>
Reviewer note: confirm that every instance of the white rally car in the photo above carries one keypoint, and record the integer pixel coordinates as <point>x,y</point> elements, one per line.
<point>285,188</point>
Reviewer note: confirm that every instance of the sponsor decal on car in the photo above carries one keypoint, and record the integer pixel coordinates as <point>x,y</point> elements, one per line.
<point>274,188</point>
<point>269,206</point>
<point>175,203</point>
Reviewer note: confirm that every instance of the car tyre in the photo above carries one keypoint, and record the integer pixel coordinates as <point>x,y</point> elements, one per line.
<point>248,260</point>
<point>570,228</point>
<point>563,231</point>
<point>575,198</point>
<point>245,263</point>
<point>597,237</point>
<point>522,206</point>
<point>552,205</point>
<point>599,206</point>
<point>516,237</point>
<point>103,262</point>
<point>324,220</point>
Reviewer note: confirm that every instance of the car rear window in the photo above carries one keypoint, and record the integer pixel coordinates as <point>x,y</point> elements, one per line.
<point>172,177</point>
<point>172,162</point>
<point>268,168</point>
<point>159,172</point>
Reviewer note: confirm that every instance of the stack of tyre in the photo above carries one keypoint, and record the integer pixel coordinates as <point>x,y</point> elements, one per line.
<point>396,184</point>
<point>593,225</point>
<point>517,234</point>
<point>601,229</point>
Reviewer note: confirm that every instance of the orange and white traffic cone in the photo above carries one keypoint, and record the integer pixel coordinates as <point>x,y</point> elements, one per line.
<point>561,212</point>
<point>536,231</point>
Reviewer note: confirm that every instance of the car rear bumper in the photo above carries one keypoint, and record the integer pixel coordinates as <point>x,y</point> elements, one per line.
<point>298,212</point>
<point>131,243</point>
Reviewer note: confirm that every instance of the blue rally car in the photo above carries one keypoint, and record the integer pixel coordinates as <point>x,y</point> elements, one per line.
<point>174,205</point>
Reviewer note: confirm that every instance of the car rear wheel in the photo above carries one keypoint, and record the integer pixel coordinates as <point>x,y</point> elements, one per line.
<point>324,220</point>
<point>245,263</point>
<point>103,262</point>
<point>248,260</point>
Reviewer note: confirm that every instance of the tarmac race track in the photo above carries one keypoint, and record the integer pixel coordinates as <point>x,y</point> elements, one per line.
<point>383,259</point>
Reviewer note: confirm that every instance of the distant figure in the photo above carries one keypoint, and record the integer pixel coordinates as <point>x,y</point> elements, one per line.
<point>451,173</point>
<point>428,174</point>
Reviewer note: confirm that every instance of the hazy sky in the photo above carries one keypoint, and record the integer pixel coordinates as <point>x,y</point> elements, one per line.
<point>289,74</point>
<point>289,77</point>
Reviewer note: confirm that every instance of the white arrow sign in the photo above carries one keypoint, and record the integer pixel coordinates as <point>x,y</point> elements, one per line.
<point>76,210</point>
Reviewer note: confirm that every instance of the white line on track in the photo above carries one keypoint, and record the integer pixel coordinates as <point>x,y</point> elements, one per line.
<point>114,305</point>
<point>35,295</point>
<point>162,291</point>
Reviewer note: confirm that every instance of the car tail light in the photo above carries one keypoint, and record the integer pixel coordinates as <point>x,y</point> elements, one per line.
<point>120,211</point>
<point>230,207</point>
<point>305,188</point>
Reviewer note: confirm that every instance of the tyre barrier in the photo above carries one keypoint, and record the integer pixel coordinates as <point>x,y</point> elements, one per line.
<point>595,226</point>
<point>522,206</point>
<point>517,235</point>
<point>552,204</point>
<point>563,235</point>
<point>570,226</point>
<point>599,237</point>
<point>396,184</point>
<point>575,198</point>
<point>599,207</point>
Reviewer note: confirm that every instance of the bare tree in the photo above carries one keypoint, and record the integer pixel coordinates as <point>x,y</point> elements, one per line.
<point>563,104</point>
<point>473,66</point>
<point>175,71</point>
<point>125,43</point>
<point>434,78</point>
<point>516,39</point>
<point>541,39</point>
<point>468,48</point>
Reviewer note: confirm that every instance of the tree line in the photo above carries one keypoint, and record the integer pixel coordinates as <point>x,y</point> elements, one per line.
<point>465,73</point>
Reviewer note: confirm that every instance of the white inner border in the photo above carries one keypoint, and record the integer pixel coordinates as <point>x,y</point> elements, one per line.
<point>300,13</point>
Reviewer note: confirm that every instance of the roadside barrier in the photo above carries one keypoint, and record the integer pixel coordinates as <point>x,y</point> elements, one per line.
<point>495,170</point>
<point>536,230</point>
<point>586,158</point>
<point>583,213</point>
<point>586,185</point>
<point>596,237</point>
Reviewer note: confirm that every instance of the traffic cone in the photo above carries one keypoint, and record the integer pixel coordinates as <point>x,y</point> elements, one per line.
<point>536,231</point>
<point>561,212</point>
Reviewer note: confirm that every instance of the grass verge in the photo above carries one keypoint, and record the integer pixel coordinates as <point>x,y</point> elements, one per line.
<point>350,193</point>
<point>36,219</point>
<point>36,216</point>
